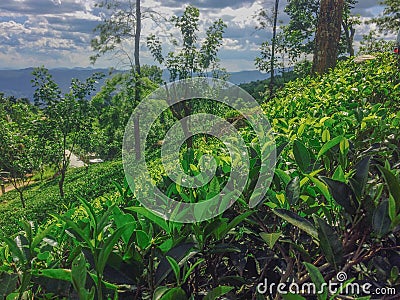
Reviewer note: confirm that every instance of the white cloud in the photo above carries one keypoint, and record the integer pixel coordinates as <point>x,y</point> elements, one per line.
<point>57,33</point>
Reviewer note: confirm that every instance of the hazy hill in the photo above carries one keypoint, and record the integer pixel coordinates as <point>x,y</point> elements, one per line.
<point>17,83</point>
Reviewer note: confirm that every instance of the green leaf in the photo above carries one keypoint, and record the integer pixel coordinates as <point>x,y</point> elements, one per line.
<point>344,146</point>
<point>191,269</point>
<point>381,220</point>
<point>214,186</point>
<point>28,228</point>
<point>301,155</point>
<point>320,186</point>
<point>283,176</point>
<point>297,221</point>
<point>342,288</point>
<point>360,177</point>
<point>90,211</point>
<point>293,191</point>
<point>271,238</point>
<point>60,274</point>
<point>317,279</point>
<point>175,267</point>
<point>326,136</point>
<point>79,272</point>
<point>393,185</point>
<point>78,276</point>
<point>15,250</point>
<point>329,145</point>
<point>8,284</point>
<point>174,294</point>
<point>79,231</point>
<point>149,215</point>
<point>159,292</point>
<point>236,221</point>
<point>106,284</point>
<point>218,292</point>
<point>292,297</point>
<point>392,208</point>
<point>41,235</point>
<point>330,243</point>
<point>342,194</point>
<point>142,239</point>
<point>339,174</point>
<point>104,220</point>
<point>120,220</point>
<point>108,247</point>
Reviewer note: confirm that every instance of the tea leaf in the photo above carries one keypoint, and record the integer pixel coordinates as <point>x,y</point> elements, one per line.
<point>329,145</point>
<point>175,267</point>
<point>301,155</point>
<point>60,274</point>
<point>317,279</point>
<point>293,191</point>
<point>218,292</point>
<point>360,177</point>
<point>271,238</point>
<point>292,297</point>
<point>381,220</point>
<point>174,294</point>
<point>297,221</point>
<point>330,243</point>
<point>393,185</point>
<point>149,215</point>
<point>342,194</point>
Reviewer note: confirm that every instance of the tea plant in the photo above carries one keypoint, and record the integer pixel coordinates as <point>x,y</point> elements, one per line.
<point>333,206</point>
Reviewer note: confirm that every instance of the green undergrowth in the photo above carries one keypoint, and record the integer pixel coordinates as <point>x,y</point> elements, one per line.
<point>333,206</point>
<point>359,100</point>
<point>43,198</point>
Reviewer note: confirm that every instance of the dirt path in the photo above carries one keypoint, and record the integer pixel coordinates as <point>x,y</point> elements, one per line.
<point>10,187</point>
<point>74,162</point>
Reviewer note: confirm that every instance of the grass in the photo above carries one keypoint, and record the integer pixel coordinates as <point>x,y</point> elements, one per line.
<point>43,197</point>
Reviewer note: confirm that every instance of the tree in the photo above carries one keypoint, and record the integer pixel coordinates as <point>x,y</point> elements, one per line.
<point>120,29</point>
<point>122,24</point>
<point>348,27</point>
<point>18,144</point>
<point>328,35</point>
<point>265,20</point>
<point>192,58</point>
<point>389,21</point>
<point>113,106</point>
<point>67,116</point>
<point>299,34</point>
<point>372,44</point>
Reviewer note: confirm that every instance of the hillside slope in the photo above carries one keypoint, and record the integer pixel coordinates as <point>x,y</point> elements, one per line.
<point>43,198</point>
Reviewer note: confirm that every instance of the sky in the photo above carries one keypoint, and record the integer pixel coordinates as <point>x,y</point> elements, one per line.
<point>57,33</point>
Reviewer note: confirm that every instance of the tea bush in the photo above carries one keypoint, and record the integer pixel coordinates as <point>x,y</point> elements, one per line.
<point>43,198</point>
<point>333,208</point>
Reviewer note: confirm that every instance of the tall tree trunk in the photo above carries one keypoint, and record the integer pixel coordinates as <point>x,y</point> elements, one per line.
<point>64,165</point>
<point>273,47</point>
<point>21,195</point>
<point>328,35</point>
<point>349,33</point>
<point>61,183</point>
<point>137,36</point>
<point>137,76</point>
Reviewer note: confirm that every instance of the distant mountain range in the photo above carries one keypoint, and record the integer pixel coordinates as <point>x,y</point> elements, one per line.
<point>17,83</point>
